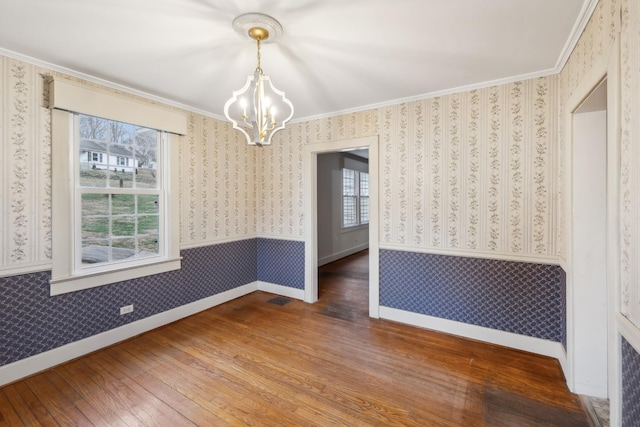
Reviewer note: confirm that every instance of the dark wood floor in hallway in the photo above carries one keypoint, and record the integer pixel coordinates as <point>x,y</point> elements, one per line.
<point>266,360</point>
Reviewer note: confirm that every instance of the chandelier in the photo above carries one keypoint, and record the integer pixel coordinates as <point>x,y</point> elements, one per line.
<point>258,109</point>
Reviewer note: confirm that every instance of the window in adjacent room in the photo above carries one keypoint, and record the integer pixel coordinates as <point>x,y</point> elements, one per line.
<point>355,198</point>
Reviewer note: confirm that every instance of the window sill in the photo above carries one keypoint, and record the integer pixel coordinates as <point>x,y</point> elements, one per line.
<point>65,285</point>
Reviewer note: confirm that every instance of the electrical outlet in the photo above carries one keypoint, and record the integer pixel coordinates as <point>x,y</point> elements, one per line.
<point>126,309</point>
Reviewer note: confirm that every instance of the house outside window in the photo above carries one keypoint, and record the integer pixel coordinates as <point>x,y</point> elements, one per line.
<point>355,198</point>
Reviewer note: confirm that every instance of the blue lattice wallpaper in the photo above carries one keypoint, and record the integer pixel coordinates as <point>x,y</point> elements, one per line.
<point>281,262</point>
<point>32,322</point>
<point>630,385</point>
<point>518,297</point>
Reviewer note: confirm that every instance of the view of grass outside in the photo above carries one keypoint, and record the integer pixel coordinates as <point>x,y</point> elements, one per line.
<point>121,156</point>
<point>124,221</point>
<point>102,178</point>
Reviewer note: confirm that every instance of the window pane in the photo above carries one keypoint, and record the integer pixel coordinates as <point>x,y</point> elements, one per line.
<point>348,182</point>
<point>118,178</point>
<point>364,210</point>
<point>148,245</point>
<point>147,224</point>
<point>147,155</point>
<point>123,226</point>
<point>93,176</point>
<point>95,204</point>
<point>126,151</point>
<point>95,228</point>
<point>148,204</point>
<point>123,204</point>
<point>348,211</point>
<point>123,249</point>
<point>364,184</point>
<point>95,251</point>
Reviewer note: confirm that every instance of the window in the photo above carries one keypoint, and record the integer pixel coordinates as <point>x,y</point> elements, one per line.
<point>119,217</point>
<point>95,157</point>
<point>363,200</point>
<point>113,221</point>
<point>355,198</point>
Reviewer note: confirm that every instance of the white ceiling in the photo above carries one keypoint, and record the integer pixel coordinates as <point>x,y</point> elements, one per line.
<point>334,56</point>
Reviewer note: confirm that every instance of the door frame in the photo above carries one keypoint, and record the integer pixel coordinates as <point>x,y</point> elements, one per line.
<point>607,67</point>
<point>311,152</point>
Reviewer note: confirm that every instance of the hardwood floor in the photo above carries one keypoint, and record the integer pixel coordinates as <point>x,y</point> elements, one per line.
<point>266,360</point>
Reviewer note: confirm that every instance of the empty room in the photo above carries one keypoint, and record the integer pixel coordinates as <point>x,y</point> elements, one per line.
<point>320,213</point>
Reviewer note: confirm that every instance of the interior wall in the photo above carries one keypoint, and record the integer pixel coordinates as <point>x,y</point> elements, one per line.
<point>217,223</point>
<point>613,22</point>
<point>334,242</point>
<point>280,183</point>
<point>469,173</point>
<point>217,174</point>
<point>217,184</point>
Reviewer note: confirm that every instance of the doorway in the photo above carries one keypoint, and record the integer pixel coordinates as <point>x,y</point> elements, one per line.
<point>588,298</point>
<point>311,153</point>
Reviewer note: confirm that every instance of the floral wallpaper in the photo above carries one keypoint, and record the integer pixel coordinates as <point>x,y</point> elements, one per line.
<point>25,186</point>
<point>472,171</point>
<point>280,175</point>
<point>630,161</point>
<point>218,196</point>
<point>217,174</point>
<point>610,18</point>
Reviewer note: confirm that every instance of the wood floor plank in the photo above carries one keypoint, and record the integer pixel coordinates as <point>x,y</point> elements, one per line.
<point>213,380</point>
<point>142,401</point>
<point>95,393</point>
<point>253,362</point>
<point>27,405</point>
<point>64,411</point>
<point>8,415</point>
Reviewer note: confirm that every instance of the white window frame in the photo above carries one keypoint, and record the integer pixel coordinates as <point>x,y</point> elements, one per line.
<point>66,99</point>
<point>357,196</point>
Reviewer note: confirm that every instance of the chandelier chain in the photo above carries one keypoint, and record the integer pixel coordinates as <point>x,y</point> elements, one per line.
<point>259,68</point>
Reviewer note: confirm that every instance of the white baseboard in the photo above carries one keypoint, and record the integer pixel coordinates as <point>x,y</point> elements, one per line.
<point>31,365</point>
<point>285,291</point>
<point>592,391</point>
<point>493,336</point>
<point>334,257</point>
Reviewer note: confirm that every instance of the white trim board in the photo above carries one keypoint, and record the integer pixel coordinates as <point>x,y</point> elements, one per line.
<point>334,257</point>
<point>480,333</point>
<point>284,291</point>
<point>39,362</point>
